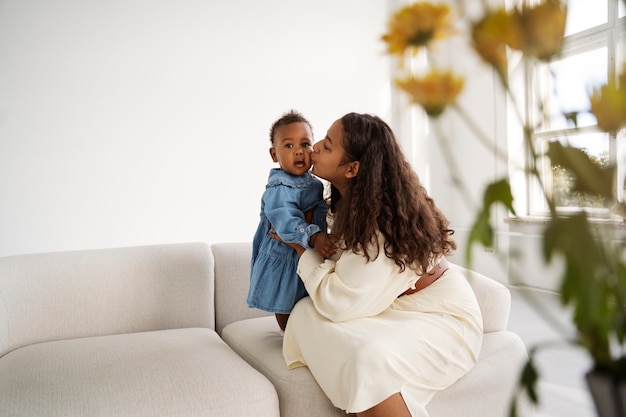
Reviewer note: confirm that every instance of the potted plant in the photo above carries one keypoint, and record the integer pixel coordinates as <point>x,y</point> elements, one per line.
<point>593,279</point>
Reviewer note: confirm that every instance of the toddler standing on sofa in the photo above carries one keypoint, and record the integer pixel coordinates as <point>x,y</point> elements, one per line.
<point>292,196</point>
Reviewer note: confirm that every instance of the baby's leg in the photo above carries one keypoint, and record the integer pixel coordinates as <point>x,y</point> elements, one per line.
<point>282,320</point>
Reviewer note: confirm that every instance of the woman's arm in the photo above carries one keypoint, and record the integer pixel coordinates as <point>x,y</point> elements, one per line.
<point>351,287</point>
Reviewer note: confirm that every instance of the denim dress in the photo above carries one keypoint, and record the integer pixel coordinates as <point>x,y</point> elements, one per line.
<point>274,282</point>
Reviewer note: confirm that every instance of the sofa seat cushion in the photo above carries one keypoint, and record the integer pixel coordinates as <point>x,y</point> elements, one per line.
<point>259,342</point>
<point>478,394</point>
<point>181,372</point>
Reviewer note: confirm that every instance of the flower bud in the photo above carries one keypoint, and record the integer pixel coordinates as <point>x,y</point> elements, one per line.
<point>416,25</point>
<point>434,91</point>
<point>608,104</point>
<point>541,29</point>
<point>492,34</point>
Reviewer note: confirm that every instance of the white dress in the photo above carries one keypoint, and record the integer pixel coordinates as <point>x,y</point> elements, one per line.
<point>363,343</point>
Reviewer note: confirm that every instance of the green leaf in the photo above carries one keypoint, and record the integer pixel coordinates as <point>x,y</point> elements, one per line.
<point>589,177</point>
<point>527,383</point>
<point>482,231</point>
<point>572,238</point>
<point>529,380</point>
<point>572,117</point>
<point>499,192</point>
<point>620,295</point>
<point>588,282</point>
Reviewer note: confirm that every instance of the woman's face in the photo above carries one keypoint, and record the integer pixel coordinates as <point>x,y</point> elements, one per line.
<point>329,158</point>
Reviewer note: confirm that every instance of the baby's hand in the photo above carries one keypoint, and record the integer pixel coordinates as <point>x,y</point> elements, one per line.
<point>324,244</point>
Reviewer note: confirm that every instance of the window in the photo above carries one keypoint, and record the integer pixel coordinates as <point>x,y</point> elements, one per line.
<point>594,48</point>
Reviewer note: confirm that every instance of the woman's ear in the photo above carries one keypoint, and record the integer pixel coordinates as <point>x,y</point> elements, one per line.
<point>353,169</point>
<point>273,154</point>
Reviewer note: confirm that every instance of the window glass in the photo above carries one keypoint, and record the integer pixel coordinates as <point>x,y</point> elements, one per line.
<point>596,146</point>
<point>620,56</point>
<point>558,104</point>
<point>569,82</point>
<point>585,14</point>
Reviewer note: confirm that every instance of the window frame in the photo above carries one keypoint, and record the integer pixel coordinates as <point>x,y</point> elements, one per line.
<point>611,34</point>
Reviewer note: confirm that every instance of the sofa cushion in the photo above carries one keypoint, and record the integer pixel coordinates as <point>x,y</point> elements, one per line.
<point>86,293</point>
<point>485,391</point>
<point>181,372</point>
<point>260,343</point>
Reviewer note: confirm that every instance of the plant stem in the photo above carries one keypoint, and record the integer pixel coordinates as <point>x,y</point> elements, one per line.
<point>444,145</point>
<point>534,171</point>
<point>482,137</point>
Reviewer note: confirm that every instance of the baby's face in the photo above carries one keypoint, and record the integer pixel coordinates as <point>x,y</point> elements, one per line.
<point>291,148</point>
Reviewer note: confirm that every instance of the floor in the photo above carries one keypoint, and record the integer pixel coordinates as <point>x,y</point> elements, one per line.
<point>562,387</point>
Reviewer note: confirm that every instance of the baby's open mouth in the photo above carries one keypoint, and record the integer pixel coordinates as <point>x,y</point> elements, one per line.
<point>299,164</point>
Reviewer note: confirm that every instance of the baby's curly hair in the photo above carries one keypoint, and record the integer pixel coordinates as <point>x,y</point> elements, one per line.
<point>386,196</point>
<point>292,116</point>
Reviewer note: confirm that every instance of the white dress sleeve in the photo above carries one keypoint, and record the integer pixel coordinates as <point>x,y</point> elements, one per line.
<point>351,287</point>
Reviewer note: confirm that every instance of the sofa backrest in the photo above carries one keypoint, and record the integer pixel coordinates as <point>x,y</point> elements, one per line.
<point>232,279</point>
<point>61,295</point>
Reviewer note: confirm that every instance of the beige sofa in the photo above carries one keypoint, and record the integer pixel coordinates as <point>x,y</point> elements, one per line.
<point>164,330</point>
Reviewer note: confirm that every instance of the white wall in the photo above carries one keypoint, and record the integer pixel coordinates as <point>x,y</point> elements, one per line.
<point>127,122</point>
<point>132,122</point>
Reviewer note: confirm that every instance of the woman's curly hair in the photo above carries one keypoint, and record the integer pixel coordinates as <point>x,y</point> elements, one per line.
<point>386,196</point>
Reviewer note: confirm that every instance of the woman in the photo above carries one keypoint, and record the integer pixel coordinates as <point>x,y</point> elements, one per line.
<point>387,323</point>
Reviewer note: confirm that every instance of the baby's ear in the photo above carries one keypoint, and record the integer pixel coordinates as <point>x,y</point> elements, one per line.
<point>353,169</point>
<point>273,154</point>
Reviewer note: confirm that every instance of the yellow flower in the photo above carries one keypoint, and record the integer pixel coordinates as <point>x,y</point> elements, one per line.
<point>542,28</point>
<point>622,75</point>
<point>490,36</point>
<point>434,91</point>
<point>416,25</point>
<point>608,104</point>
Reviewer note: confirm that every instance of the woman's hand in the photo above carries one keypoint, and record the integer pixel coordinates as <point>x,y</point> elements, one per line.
<point>324,244</point>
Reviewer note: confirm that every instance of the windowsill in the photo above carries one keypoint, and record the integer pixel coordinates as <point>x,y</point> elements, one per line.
<point>614,223</point>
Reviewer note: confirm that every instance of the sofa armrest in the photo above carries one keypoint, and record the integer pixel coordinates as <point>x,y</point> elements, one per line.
<point>494,299</point>
<point>232,280</point>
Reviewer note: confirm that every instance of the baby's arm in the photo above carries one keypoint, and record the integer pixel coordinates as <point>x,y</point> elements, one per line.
<point>324,244</point>
<point>286,217</point>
